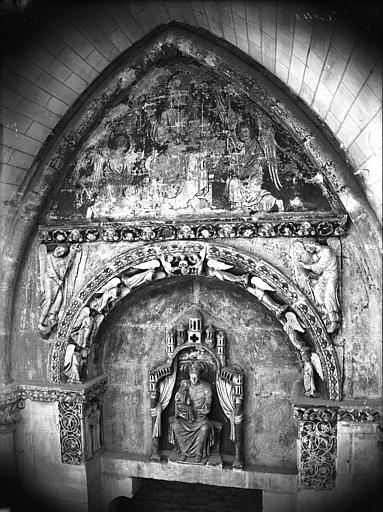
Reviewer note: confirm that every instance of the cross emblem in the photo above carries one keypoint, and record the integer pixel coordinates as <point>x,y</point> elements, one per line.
<point>194,338</point>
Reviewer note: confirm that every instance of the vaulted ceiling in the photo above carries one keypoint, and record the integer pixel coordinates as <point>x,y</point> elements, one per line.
<point>327,56</point>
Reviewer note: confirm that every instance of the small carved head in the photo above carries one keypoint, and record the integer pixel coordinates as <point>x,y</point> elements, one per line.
<point>195,371</point>
<point>60,251</point>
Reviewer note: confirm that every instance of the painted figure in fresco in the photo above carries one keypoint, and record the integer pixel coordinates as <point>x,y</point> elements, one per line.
<point>55,268</point>
<point>317,271</point>
<point>245,189</point>
<point>92,429</point>
<point>190,428</point>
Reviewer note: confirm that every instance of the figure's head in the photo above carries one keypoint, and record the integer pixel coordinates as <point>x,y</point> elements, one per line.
<point>60,251</point>
<point>246,131</point>
<point>195,371</point>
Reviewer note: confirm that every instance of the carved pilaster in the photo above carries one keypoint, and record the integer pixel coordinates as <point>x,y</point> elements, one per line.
<point>80,422</point>
<point>71,437</point>
<point>317,448</point>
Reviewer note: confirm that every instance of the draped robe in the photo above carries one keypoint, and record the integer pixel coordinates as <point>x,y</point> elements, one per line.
<point>193,437</point>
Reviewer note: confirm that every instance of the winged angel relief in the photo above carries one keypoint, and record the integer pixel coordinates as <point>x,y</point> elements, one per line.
<point>316,270</point>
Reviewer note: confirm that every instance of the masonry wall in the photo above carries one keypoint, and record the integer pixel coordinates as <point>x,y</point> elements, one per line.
<point>328,58</point>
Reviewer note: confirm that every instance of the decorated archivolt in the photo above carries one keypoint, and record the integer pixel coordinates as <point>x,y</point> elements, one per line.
<point>125,273</point>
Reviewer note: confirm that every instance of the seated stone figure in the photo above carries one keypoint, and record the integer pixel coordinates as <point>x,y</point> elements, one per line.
<point>191,431</point>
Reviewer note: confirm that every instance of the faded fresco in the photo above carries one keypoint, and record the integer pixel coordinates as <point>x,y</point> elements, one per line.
<point>183,142</point>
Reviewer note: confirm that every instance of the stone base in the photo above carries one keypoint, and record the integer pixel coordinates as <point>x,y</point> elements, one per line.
<point>212,460</point>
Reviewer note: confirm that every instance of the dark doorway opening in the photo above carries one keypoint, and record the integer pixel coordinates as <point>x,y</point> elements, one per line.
<point>165,496</point>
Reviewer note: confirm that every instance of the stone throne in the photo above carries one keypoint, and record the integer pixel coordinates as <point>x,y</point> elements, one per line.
<point>188,348</point>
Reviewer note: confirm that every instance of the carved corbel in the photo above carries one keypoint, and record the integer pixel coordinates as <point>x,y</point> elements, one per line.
<point>10,413</point>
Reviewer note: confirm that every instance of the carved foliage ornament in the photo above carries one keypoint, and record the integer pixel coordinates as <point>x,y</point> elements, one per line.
<point>134,268</point>
<point>285,225</point>
<point>317,447</point>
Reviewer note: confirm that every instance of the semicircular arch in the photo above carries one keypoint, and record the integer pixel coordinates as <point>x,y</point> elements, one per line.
<point>286,292</point>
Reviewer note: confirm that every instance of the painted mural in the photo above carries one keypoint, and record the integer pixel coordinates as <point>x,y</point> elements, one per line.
<point>183,142</point>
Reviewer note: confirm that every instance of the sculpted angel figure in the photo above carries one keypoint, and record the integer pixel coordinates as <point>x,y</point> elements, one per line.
<point>54,269</point>
<point>317,273</point>
<point>220,270</point>
<point>74,361</point>
<point>148,271</point>
<point>259,289</point>
<point>311,361</point>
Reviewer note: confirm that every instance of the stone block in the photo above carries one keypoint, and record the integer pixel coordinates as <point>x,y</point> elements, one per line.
<point>77,64</point>
<point>301,45</point>
<point>73,37</point>
<point>229,34</point>
<point>76,83</point>
<point>243,44</point>
<point>120,41</point>
<point>5,154</point>
<point>25,68</point>
<point>322,100</point>
<point>273,502</point>
<point>161,13</point>
<point>254,34</point>
<point>240,26</point>
<point>320,39</point>
<point>12,175</point>
<point>307,94</point>
<point>37,113</point>
<point>201,19</point>
<point>20,159</point>
<point>297,69</point>
<point>344,39</point>
<point>26,89</point>
<point>365,107</point>
<point>14,121</point>
<point>375,80</point>
<point>21,142</point>
<point>9,98</point>
<point>97,60</point>
<point>333,70</point>
<point>40,56</point>
<point>56,106</point>
<point>50,41</point>
<point>56,88</point>
<point>59,70</point>
<point>342,102</point>
<point>332,122</point>
<point>38,131</point>
<point>100,41</point>
<point>281,71</point>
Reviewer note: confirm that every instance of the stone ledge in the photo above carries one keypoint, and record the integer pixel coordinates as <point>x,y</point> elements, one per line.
<point>119,465</point>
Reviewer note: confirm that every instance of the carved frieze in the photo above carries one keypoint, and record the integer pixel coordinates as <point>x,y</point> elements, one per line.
<point>134,268</point>
<point>284,225</point>
<point>317,447</point>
